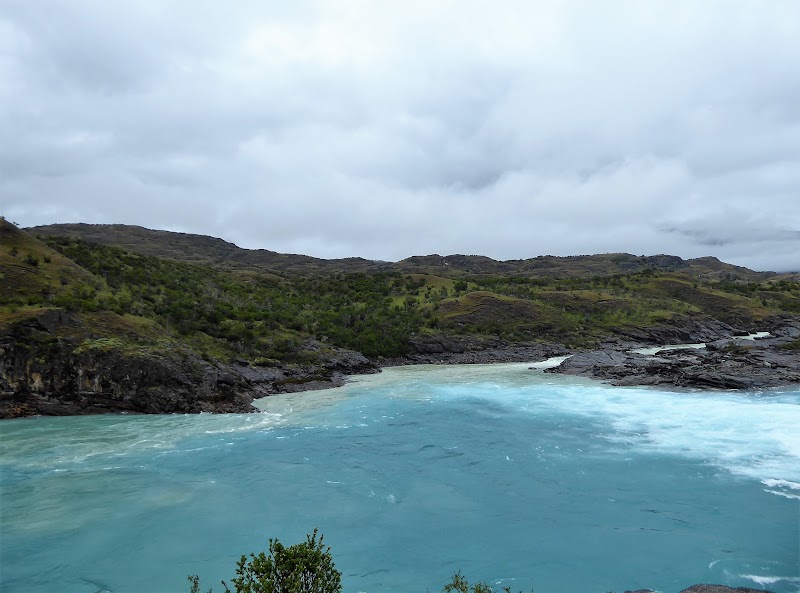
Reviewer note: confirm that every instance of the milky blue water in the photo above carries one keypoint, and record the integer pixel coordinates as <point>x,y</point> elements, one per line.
<point>510,475</point>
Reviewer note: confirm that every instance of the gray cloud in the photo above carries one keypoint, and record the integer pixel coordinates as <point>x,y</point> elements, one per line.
<point>339,128</point>
<point>737,227</point>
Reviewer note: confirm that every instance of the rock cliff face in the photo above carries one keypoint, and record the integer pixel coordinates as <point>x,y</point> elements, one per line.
<point>685,330</point>
<point>44,372</point>
<point>442,349</point>
<point>46,366</point>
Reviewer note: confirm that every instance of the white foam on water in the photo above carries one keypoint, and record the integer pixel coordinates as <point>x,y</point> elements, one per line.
<point>549,363</point>
<point>783,488</point>
<point>81,439</point>
<point>651,350</point>
<point>751,435</point>
<point>765,580</point>
<point>255,422</point>
<point>754,336</point>
<point>781,484</point>
<point>784,494</point>
<point>746,433</point>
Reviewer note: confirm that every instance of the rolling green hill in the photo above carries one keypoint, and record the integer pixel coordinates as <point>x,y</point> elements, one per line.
<point>230,302</point>
<point>197,304</point>
<point>199,249</point>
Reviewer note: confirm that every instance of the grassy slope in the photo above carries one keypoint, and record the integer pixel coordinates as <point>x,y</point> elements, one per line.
<point>229,315</point>
<point>582,313</point>
<point>28,267</point>
<point>128,299</point>
<point>37,279</point>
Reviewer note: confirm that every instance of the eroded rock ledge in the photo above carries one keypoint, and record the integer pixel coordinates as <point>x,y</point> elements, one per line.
<point>45,369</point>
<point>730,363</point>
<point>42,372</point>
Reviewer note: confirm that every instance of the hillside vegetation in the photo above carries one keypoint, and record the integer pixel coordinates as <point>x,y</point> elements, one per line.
<point>263,316</point>
<point>167,293</point>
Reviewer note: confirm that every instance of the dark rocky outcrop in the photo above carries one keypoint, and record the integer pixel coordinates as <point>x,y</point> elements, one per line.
<point>47,368</point>
<point>441,349</point>
<point>684,330</point>
<point>732,363</point>
<point>709,589</point>
<point>721,589</point>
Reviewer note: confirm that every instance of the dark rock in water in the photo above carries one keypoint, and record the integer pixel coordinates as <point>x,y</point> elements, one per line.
<point>583,363</point>
<point>709,589</point>
<point>721,589</point>
<point>349,362</point>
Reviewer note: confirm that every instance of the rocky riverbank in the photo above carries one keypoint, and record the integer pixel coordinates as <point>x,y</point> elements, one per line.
<point>710,589</point>
<point>728,363</point>
<point>442,349</point>
<point>47,367</point>
<point>729,360</point>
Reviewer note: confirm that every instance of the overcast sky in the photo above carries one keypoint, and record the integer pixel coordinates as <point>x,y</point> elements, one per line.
<point>388,129</point>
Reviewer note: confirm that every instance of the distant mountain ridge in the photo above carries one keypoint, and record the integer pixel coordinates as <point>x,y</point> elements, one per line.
<point>201,249</point>
<point>198,249</point>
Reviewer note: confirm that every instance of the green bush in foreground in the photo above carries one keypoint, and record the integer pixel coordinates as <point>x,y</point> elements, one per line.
<point>306,567</point>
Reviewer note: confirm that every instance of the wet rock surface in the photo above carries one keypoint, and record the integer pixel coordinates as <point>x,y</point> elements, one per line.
<point>729,363</point>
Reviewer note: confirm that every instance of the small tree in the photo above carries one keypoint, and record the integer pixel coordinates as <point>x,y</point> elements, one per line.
<point>306,567</point>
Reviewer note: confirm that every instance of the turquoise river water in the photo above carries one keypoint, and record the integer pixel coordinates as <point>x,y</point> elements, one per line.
<point>513,476</point>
